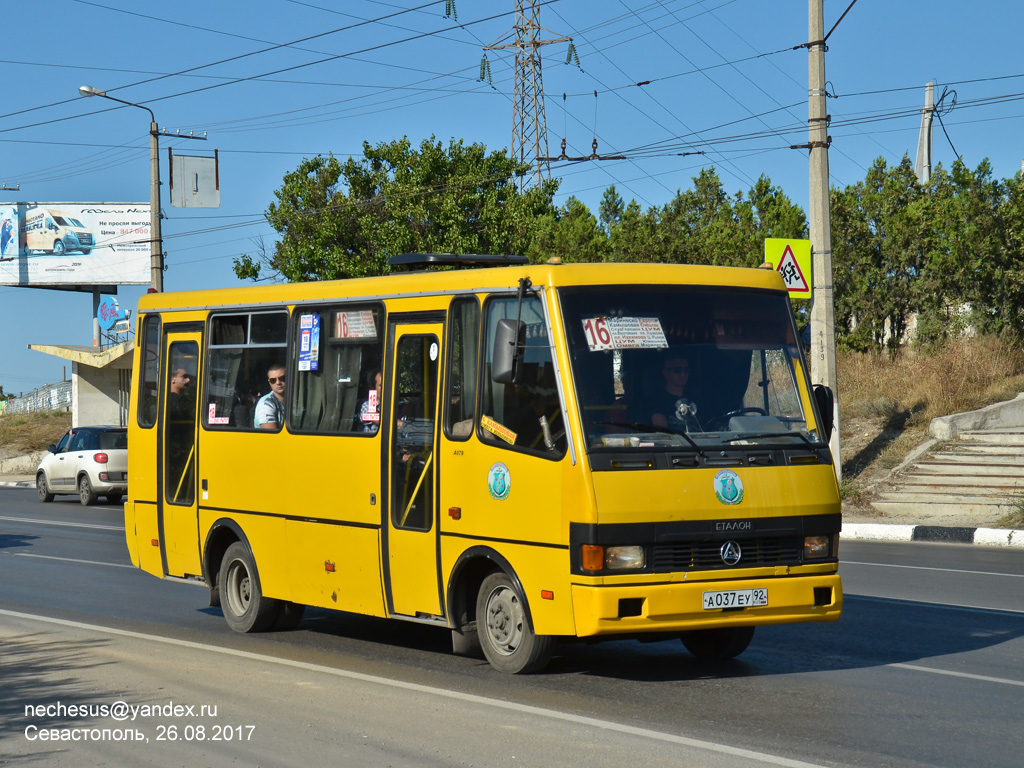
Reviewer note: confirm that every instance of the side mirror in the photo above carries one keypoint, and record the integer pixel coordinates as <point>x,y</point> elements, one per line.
<point>509,340</point>
<point>825,401</point>
<point>51,448</point>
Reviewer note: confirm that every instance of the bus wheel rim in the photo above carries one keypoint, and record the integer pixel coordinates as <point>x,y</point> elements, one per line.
<point>505,620</point>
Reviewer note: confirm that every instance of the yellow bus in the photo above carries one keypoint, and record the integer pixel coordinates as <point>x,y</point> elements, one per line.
<point>518,453</point>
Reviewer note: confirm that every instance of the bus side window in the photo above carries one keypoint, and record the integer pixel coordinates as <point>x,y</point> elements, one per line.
<point>529,408</point>
<point>243,347</point>
<point>337,351</point>
<point>463,364</point>
<point>148,381</point>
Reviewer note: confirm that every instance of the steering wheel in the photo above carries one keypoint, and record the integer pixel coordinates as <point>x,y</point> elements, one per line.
<point>723,420</point>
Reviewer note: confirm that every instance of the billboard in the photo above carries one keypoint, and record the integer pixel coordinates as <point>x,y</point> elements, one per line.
<point>74,244</point>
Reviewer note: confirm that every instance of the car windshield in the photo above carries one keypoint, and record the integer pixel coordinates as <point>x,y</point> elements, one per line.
<point>686,366</point>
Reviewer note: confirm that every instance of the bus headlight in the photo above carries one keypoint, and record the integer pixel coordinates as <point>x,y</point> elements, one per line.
<point>625,557</point>
<point>815,547</point>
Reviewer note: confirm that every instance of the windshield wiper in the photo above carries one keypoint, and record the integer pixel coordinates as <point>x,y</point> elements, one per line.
<point>756,435</point>
<point>653,428</point>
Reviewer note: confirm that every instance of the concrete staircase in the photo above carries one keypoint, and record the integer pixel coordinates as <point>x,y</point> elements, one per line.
<point>972,480</point>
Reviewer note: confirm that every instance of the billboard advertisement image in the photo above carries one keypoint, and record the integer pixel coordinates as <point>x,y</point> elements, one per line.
<point>81,244</point>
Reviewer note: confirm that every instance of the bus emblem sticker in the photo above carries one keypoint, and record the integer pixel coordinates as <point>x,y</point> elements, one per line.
<point>499,481</point>
<point>728,487</point>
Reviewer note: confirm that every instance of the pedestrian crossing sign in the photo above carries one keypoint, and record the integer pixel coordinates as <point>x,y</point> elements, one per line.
<point>792,260</point>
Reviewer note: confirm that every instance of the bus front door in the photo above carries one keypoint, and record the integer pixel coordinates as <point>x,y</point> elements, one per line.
<point>178,515</point>
<point>411,549</point>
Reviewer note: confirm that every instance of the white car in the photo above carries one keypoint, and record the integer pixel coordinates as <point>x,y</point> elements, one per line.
<point>88,461</point>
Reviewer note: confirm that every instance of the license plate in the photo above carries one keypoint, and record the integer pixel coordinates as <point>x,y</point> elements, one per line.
<point>735,598</point>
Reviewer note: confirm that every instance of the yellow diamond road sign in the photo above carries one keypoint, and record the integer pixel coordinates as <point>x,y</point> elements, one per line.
<point>792,260</point>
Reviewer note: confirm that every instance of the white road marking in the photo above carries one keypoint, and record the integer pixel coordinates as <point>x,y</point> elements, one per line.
<point>592,722</point>
<point>59,522</point>
<point>950,673</point>
<point>927,568</point>
<point>71,560</point>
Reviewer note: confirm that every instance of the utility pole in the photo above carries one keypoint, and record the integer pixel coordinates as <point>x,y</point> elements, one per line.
<point>923,166</point>
<point>156,241</point>
<point>823,321</point>
<point>529,123</point>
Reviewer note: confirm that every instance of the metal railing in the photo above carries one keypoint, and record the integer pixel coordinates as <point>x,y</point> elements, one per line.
<point>50,397</point>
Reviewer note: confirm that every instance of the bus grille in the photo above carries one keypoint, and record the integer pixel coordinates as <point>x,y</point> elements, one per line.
<point>702,555</point>
<point>85,238</point>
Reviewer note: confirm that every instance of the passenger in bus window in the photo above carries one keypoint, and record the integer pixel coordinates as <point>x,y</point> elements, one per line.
<point>181,403</point>
<point>672,410</point>
<point>369,411</point>
<point>270,408</point>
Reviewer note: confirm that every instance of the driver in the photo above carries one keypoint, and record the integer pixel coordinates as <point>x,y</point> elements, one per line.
<point>671,409</point>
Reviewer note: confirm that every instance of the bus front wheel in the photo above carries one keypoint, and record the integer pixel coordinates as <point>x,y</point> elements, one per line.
<point>508,642</point>
<point>245,608</point>
<point>58,247</point>
<point>718,644</point>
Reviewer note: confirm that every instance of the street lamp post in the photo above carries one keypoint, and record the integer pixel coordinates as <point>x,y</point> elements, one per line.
<point>156,245</point>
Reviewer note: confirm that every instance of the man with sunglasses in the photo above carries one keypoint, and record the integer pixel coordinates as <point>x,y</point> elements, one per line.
<point>672,410</point>
<point>270,408</point>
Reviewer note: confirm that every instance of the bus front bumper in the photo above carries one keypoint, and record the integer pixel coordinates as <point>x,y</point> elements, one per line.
<point>679,607</point>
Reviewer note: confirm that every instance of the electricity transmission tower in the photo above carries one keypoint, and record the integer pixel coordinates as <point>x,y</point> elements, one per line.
<point>529,125</point>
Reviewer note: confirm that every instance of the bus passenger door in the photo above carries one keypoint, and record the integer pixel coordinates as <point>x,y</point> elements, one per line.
<point>411,551</point>
<point>178,515</point>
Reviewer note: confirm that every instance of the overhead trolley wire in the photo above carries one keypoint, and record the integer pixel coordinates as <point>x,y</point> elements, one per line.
<point>273,47</point>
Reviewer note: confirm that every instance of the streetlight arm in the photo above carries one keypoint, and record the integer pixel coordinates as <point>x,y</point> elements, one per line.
<point>156,245</point>
<point>88,90</point>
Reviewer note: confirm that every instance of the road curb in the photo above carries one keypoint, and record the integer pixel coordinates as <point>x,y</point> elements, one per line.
<point>16,484</point>
<point>989,537</point>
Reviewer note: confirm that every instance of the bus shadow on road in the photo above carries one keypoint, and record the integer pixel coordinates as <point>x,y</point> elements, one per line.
<point>872,632</point>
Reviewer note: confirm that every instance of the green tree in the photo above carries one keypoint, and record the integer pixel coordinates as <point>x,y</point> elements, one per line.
<point>706,225</point>
<point>635,237</point>
<point>880,241</point>
<point>611,209</point>
<point>1009,282</point>
<point>973,275</point>
<point>571,233</point>
<point>341,220</point>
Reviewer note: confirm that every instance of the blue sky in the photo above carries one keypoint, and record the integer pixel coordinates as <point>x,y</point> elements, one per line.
<point>723,78</point>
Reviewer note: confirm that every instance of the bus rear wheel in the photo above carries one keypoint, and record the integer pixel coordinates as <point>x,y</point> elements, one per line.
<point>245,608</point>
<point>508,642</point>
<point>718,644</point>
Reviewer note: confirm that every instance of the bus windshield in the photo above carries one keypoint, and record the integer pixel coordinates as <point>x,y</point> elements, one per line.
<point>667,366</point>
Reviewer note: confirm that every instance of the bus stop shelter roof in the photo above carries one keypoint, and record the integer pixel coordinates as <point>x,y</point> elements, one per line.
<point>118,356</point>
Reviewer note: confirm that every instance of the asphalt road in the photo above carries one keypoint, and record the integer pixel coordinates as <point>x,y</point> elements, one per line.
<point>924,669</point>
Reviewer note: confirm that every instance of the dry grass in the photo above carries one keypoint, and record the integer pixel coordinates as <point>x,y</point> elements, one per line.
<point>965,375</point>
<point>25,433</point>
